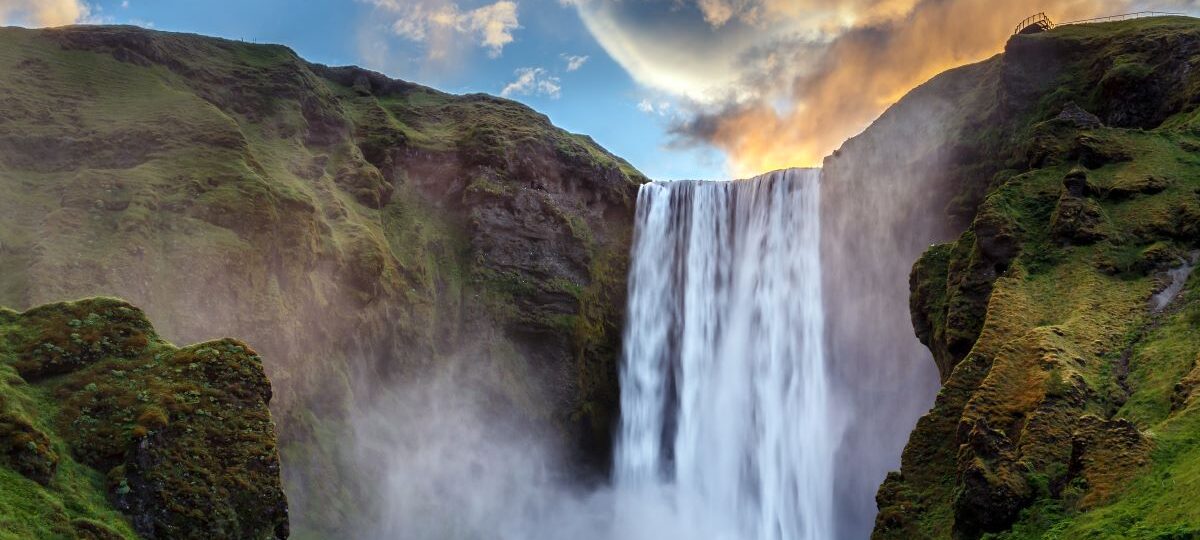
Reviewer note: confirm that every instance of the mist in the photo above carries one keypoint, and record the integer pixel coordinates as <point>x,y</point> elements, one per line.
<point>437,458</point>
<point>887,196</point>
<point>443,464</point>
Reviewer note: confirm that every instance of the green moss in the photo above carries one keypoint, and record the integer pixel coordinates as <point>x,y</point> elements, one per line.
<point>1048,290</point>
<point>111,420</point>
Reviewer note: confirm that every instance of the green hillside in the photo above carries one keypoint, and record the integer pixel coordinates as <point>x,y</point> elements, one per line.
<point>1067,407</point>
<point>355,229</point>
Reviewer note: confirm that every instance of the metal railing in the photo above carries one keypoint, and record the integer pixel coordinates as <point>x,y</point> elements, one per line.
<point>1043,22</point>
<point>1125,17</point>
<point>1039,20</point>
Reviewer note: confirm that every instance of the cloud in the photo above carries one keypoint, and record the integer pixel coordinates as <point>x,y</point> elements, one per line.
<point>779,83</point>
<point>442,24</point>
<point>43,12</point>
<point>574,62</point>
<point>662,108</point>
<point>533,81</point>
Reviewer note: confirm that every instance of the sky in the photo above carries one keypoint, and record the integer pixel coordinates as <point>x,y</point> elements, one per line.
<point>683,89</point>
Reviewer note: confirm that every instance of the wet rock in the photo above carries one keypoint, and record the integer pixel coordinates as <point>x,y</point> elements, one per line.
<point>1077,219</point>
<point>1076,183</point>
<point>1074,115</point>
<point>993,490</point>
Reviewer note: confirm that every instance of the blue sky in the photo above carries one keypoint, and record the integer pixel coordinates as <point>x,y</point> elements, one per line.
<point>599,98</point>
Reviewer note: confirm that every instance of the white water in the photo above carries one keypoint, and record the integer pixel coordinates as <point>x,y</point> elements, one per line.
<point>1179,276</point>
<point>726,421</point>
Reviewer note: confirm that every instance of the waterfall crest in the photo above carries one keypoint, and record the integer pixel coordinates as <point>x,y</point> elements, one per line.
<point>725,402</point>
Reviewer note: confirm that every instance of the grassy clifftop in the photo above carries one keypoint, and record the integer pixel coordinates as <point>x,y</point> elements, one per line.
<point>1064,321</point>
<point>357,229</point>
<point>107,431</point>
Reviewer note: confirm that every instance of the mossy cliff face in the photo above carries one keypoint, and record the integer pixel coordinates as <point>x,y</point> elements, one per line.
<point>107,431</point>
<point>1067,407</point>
<point>357,229</point>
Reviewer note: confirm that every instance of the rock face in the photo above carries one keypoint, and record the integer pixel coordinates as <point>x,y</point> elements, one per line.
<point>881,207</point>
<point>358,230</point>
<point>1065,405</point>
<point>100,413</point>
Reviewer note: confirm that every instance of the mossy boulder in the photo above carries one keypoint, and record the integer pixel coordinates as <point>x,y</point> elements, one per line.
<point>179,441</point>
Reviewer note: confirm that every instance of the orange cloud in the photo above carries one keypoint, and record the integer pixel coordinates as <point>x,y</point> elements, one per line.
<point>42,12</point>
<point>863,71</point>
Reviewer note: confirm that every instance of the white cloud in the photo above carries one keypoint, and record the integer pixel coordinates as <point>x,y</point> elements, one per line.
<point>440,23</point>
<point>662,108</point>
<point>43,12</point>
<point>533,81</point>
<point>125,4</point>
<point>574,62</point>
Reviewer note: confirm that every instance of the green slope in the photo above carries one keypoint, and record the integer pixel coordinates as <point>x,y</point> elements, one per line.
<point>358,230</point>
<point>1066,409</point>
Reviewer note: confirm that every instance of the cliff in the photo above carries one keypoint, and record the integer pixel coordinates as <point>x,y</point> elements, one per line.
<point>886,195</point>
<point>358,230</point>
<point>107,431</point>
<point>1062,319</point>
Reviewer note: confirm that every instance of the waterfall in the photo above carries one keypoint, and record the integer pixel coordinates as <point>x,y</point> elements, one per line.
<point>724,394</point>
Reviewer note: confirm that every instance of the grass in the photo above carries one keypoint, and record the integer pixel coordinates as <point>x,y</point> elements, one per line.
<point>1066,360</point>
<point>235,189</point>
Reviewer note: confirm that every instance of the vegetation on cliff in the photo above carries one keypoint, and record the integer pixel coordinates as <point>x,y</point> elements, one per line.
<point>107,431</point>
<point>1068,373</point>
<point>356,229</point>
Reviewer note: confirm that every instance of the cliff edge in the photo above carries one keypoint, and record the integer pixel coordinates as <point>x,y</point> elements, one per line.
<point>1064,319</point>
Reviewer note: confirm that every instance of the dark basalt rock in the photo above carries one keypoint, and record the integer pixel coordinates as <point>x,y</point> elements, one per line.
<point>993,490</point>
<point>1078,219</point>
<point>1074,115</point>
